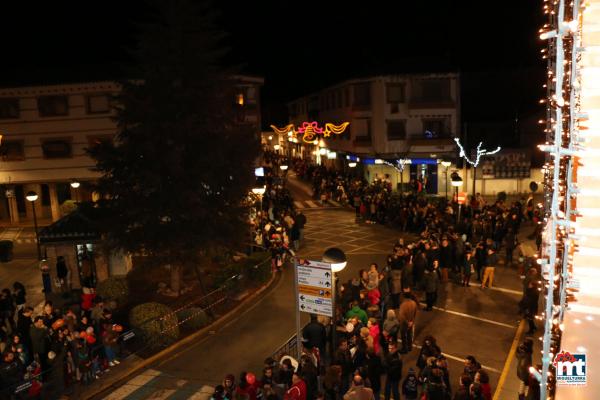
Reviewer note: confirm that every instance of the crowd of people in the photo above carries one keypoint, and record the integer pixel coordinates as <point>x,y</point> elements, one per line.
<point>377,310</point>
<point>45,355</point>
<point>275,223</point>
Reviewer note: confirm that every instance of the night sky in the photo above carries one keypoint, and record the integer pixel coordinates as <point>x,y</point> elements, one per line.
<point>301,46</point>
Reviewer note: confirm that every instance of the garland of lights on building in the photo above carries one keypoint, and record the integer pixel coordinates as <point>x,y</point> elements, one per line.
<point>563,145</point>
<point>310,131</point>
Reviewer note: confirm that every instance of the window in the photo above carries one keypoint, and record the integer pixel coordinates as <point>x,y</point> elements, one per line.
<point>362,94</point>
<point>251,95</point>
<point>395,93</point>
<point>12,150</point>
<point>239,99</point>
<point>98,103</point>
<point>362,128</point>
<point>52,106</point>
<point>57,148</point>
<point>434,90</point>
<point>434,128</point>
<point>396,129</point>
<point>9,108</point>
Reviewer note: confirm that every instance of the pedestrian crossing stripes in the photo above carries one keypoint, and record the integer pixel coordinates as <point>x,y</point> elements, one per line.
<point>10,233</point>
<point>316,204</point>
<point>155,385</point>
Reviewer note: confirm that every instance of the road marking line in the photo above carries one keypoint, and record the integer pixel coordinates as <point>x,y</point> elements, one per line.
<point>133,384</point>
<point>203,394</point>
<point>162,394</point>
<point>298,204</point>
<point>463,360</point>
<point>511,355</point>
<point>500,289</point>
<point>311,204</point>
<point>472,317</point>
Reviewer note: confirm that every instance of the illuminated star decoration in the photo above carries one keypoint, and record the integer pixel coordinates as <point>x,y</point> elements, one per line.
<point>480,152</point>
<point>310,130</point>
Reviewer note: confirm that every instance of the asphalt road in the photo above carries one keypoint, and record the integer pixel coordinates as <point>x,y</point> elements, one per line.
<point>467,321</point>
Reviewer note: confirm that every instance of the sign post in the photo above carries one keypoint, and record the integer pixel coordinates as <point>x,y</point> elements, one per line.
<point>314,289</point>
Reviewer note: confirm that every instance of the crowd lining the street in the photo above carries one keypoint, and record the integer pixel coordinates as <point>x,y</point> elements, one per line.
<point>376,315</point>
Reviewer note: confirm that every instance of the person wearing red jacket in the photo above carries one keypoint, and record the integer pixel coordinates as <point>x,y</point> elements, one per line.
<point>298,389</point>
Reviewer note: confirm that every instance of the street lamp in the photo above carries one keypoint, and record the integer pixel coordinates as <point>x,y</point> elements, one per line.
<point>337,258</point>
<point>276,147</point>
<point>446,164</point>
<point>75,184</point>
<point>283,167</point>
<point>456,182</point>
<point>32,197</point>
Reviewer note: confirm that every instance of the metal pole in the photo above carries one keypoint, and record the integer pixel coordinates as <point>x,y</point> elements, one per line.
<point>474,175</point>
<point>446,183</point>
<point>37,238</point>
<point>333,320</point>
<point>298,329</point>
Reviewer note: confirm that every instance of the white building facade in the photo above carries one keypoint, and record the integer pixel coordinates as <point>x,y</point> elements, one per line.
<point>413,117</point>
<point>45,132</point>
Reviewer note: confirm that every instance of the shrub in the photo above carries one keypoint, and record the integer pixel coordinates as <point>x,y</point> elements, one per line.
<point>114,288</point>
<point>155,324</point>
<point>192,318</point>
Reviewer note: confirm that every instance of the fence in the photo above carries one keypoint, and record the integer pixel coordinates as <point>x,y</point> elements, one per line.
<point>132,341</point>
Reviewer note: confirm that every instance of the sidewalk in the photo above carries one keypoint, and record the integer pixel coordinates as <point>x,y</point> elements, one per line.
<point>509,382</point>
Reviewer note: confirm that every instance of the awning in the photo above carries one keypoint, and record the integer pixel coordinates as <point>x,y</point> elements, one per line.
<point>77,226</point>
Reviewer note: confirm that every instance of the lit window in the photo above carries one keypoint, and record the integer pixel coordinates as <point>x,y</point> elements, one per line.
<point>239,99</point>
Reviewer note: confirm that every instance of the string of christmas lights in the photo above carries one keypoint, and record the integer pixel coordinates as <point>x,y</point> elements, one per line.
<point>562,146</point>
<point>479,152</point>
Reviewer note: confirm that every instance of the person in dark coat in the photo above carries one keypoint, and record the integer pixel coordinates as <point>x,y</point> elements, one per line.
<point>524,361</point>
<point>19,294</point>
<point>315,334</point>
<point>463,391</point>
<point>374,372</point>
<point>24,324</point>
<point>343,358</point>
<point>431,286</point>
<point>11,372</point>
<point>530,304</point>
<point>393,368</point>
<point>429,349</point>
<point>39,341</point>
<point>61,272</point>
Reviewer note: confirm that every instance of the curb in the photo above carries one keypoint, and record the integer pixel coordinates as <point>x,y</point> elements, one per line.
<point>275,277</point>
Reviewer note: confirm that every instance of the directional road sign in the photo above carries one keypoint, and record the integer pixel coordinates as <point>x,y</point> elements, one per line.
<point>314,287</point>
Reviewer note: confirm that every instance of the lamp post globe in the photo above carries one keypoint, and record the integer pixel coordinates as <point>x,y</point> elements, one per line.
<point>283,167</point>
<point>335,257</point>
<point>75,184</point>
<point>31,196</point>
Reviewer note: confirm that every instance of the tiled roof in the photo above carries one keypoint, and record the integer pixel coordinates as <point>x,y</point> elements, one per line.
<point>74,227</point>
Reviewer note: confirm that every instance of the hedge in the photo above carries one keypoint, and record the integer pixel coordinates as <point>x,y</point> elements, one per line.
<point>114,288</point>
<point>155,323</point>
<point>192,318</point>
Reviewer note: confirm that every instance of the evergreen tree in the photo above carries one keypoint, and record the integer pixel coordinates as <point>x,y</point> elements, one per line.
<point>174,179</point>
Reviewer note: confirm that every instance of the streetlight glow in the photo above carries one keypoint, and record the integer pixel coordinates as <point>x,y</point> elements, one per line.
<point>31,196</point>
<point>446,163</point>
<point>283,167</point>
<point>352,164</point>
<point>75,184</point>
<point>276,147</point>
<point>259,190</point>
